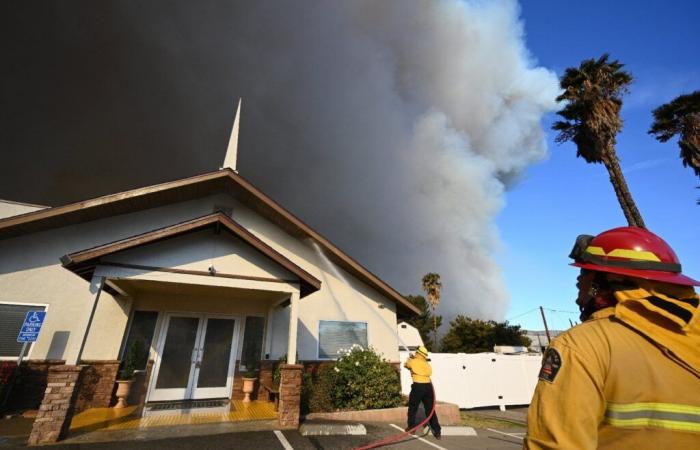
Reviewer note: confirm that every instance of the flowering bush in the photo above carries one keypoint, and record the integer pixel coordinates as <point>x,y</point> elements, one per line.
<point>359,379</point>
<point>6,369</point>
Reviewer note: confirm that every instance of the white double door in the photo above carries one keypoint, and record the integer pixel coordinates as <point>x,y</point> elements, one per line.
<point>196,357</point>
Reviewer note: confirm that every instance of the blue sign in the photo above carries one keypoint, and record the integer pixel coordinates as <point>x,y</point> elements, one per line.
<point>31,326</point>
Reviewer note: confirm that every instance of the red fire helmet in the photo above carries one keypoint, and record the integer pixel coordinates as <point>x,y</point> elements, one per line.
<point>630,251</point>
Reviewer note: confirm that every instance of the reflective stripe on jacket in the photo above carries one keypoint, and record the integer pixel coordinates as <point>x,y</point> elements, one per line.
<point>420,369</point>
<point>610,387</point>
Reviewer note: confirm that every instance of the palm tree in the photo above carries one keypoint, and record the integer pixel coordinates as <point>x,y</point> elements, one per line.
<point>432,286</point>
<point>593,94</point>
<point>681,117</point>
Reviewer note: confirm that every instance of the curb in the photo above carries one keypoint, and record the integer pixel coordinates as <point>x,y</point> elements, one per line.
<point>332,429</point>
<point>458,431</point>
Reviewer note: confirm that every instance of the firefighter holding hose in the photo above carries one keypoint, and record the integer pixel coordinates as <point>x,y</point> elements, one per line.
<point>628,377</point>
<point>421,390</point>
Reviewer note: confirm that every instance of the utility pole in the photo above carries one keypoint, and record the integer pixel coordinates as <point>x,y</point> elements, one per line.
<point>546,329</point>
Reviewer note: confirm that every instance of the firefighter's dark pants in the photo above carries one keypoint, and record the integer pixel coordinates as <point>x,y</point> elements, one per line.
<point>422,393</point>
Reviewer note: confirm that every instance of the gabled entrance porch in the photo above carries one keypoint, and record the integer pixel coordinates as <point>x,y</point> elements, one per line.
<point>199,348</point>
<point>201,340</point>
<point>205,299</point>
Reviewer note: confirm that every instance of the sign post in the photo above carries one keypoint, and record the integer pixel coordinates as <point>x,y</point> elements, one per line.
<point>28,333</point>
<point>31,326</point>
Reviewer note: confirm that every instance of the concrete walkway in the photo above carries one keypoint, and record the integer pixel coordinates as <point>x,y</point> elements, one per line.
<point>171,432</point>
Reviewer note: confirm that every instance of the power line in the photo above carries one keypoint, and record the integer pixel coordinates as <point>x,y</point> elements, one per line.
<point>525,313</point>
<point>562,311</point>
<point>558,314</point>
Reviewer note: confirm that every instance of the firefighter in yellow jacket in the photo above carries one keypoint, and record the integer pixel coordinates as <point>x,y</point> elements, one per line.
<point>421,390</point>
<point>628,377</point>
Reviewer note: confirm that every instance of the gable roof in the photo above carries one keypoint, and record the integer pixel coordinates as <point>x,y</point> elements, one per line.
<point>224,180</point>
<point>84,262</point>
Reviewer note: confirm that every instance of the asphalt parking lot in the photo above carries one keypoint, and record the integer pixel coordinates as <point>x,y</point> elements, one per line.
<point>292,439</point>
<point>485,439</point>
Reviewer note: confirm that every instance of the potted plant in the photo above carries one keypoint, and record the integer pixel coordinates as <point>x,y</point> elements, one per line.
<point>249,378</point>
<point>126,373</point>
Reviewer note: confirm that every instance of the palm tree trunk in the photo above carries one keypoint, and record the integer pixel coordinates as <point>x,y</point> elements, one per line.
<point>434,331</point>
<point>624,197</point>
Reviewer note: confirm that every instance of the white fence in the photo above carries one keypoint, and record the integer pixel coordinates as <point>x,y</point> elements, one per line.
<point>480,379</point>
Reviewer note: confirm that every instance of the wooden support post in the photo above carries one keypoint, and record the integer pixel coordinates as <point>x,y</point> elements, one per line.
<point>293,319</point>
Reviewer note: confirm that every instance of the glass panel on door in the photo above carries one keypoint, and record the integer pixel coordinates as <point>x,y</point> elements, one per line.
<point>216,352</point>
<point>176,359</point>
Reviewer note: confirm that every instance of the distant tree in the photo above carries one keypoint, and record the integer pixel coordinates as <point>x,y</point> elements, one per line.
<point>593,95</point>
<point>469,335</point>
<point>426,321</point>
<point>432,287</point>
<point>681,117</point>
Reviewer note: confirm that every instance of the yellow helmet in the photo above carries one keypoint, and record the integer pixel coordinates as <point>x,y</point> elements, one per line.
<point>422,351</point>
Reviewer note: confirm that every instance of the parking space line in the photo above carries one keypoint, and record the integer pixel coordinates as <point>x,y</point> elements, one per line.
<point>283,440</point>
<point>419,438</point>
<point>513,435</point>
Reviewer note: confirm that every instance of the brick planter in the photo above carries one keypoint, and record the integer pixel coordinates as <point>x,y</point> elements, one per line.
<point>57,407</point>
<point>290,395</point>
<point>97,384</point>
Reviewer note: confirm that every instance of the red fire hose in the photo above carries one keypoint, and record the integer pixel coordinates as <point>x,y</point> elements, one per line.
<point>400,436</point>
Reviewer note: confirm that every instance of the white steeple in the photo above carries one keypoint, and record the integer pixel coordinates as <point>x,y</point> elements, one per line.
<point>232,150</point>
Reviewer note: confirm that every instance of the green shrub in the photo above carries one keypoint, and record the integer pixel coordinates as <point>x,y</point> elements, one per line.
<point>307,388</point>
<point>277,371</point>
<point>134,354</point>
<point>358,380</point>
<point>320,387</point>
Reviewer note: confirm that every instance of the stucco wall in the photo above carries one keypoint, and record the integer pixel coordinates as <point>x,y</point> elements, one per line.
<point>9,208</point>
<point>203,249</point>
<point>342,297</point>
<point>30,272</point>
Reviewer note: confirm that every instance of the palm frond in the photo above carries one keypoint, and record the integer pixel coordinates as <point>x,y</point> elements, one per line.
<point>592,94</point>
<point>432,287</point>
<point>680,117</point>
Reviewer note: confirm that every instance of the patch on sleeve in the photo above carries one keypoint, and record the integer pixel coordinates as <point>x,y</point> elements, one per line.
<point>551,363</point>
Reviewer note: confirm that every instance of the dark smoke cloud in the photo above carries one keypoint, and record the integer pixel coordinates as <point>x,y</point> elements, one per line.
<point>390,127</point>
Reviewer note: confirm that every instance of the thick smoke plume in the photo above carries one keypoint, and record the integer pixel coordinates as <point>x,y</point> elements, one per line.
<point>392,127</point>
<point>398,123</point>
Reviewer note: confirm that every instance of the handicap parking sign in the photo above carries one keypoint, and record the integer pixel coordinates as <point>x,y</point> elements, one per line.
<point>31,326</point>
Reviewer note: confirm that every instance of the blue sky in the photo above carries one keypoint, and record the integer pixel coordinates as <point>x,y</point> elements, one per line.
<point>563,196</point>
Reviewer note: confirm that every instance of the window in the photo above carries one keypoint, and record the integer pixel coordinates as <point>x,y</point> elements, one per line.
<point>252,341</point>
<point>334,336</point>
<point>143,326</point>
<point>11,320</point>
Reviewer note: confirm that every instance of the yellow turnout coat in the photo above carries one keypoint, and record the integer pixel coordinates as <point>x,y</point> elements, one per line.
<point>604,385</point>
